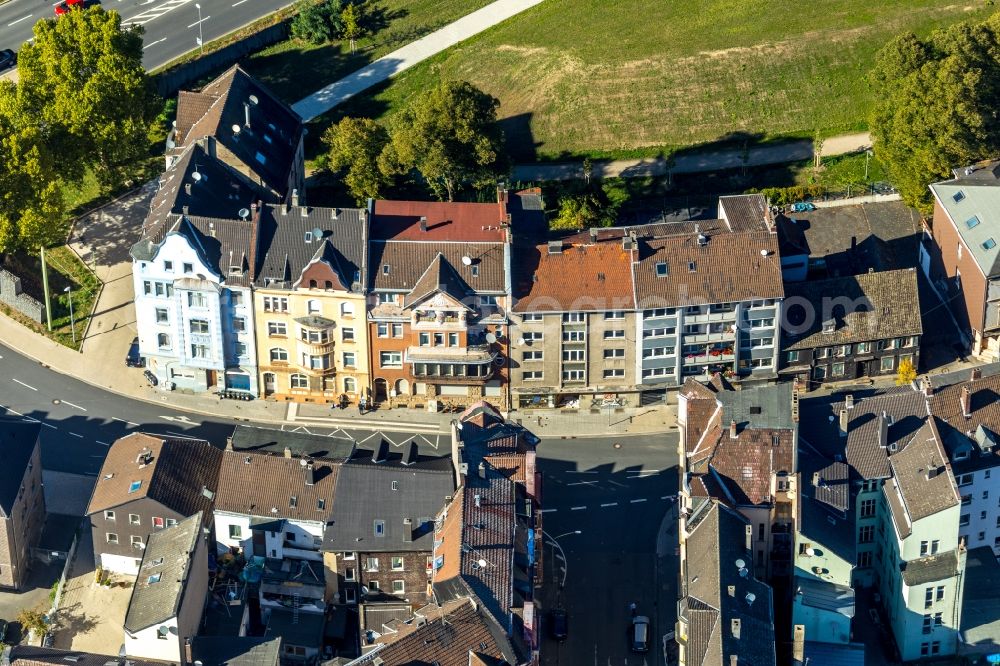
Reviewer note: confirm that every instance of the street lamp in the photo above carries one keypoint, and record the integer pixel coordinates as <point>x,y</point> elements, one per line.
<point>553,538</point>
<point>72,319</point>
<point>562,554</point>
<point>201,40</point>
<point>868,156</point>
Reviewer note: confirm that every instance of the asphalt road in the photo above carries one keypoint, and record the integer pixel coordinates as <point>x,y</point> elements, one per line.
<point>171,25</point>
<point>617,498</point>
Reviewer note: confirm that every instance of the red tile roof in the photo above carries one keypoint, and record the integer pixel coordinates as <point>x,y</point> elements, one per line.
<point>446,221</point>
<point>582,276</point>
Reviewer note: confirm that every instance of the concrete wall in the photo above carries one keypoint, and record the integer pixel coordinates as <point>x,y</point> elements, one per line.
<point>12,296</point>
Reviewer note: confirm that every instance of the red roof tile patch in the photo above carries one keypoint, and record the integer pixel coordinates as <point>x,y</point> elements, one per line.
<point>445,221</point>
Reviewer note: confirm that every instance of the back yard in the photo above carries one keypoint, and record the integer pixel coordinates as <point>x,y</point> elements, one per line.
<point>631,77</point>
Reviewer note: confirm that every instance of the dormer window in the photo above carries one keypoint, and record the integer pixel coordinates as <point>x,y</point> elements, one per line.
<point>692,267</point>
<point>661,269</point>
<point>958,196</point>
<point>235,270</point>
<point>385,269</point>
<point>829,326</point>
<point>475,271</point>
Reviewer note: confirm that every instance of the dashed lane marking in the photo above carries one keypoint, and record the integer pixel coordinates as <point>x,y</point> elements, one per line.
<point>636,501</point>
<point>548,510</point>
<point>23,18</point>
<point>67,402</point>
<point>610,504</point>
<point>102,443</point>
<point>76,435</point>
<point>115,418</point>
<point>577,508</point>
<point>23,384</point>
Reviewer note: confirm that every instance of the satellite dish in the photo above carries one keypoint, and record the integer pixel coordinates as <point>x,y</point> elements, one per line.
<point>364,590</point>
<point>810,552</point>
<point>764,253</point>
<point>195,176</point>
<point>482,564</point>
<point>466,260</point>
<point>253,99</point>
<point>521,342</point>
<point>490,338</point>
<point>236,129</point>
<point>317,233</point>
<point>740,564</point>
<point>244,213</point>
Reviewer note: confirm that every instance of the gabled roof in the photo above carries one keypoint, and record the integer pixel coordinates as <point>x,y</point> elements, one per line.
<point>18,439</point>
<point>745,466</point>
<point>440,277</point>
<point>922,475</point>
<point>871,306</point>
<point>167,563</point>
<point>368,492</point>
<point>581,276</point>
<point>399,265</point>
<point>276,487</point>
<point>444,220</point>
<point>268,130</point>
<point>983,422</point>
<point>181,474</point>
<point>745,212</point>
<point>972,200</point>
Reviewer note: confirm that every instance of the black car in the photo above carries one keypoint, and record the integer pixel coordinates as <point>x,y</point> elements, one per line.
<point>7,59</point>
<point>559,624</point>
<point>151,378</point>
<point>132,359</point>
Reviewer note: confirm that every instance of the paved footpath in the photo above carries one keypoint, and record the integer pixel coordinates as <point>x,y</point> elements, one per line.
<point>407,56</point>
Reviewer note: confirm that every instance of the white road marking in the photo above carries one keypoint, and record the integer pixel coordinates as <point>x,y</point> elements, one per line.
<point>669,497</point>
<point>577,508</point>
<point>102,443</point>
<point>549,510</point>
<point>239,3</point>
<point>48,425</point>
<point>162,39</point>
<point>115,418</point>
<point>23,384</point>
<point>560,556</point>
<point>76,435</point>
<point>199,21</point>
<point>636,501</point>
<point>572,472</point>
<point>580,483</point>
<point>620,485</point>
<point>182,419</point>
<point>67,402</point>
<point>23,18</point>
<point>610,504</point>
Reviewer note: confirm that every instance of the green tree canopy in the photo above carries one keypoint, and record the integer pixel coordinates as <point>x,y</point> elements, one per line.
<point>581,212</point>
<point>354,146</point>
<point>936,104</point>
<point>317,22</point>
<point>352,23</point>
<point>448,134</point>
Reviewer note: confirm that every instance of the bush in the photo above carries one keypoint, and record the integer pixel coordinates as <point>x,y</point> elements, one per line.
<point>317,22</point>
<point>782,196</point>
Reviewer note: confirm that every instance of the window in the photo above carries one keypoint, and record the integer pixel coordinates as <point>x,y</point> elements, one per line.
<point>966,500</point>
<point>575,336</point>
<point>168,266</point>
<point>923,548</point>
<point>661,269</point>
<point>199,326</point>
<point>928,597</point>
<point>963,520</point>
<point>134,519</point>
<point>171,522</point>
<point>767,322</point>
<point>293,501</point>
<point>390,359</point>
<point>424,339</point>
<point>573,375</point>
<point>385,298</point>
<point>280,355</point>
<point>188,268</point>
<point>614,353</point>
<point>926,626</point>
<point>241,349</point>
<point>573,318</point>
<point>347,309</point>
<point>865,559</point>
<point>398,587</point>
<point>989,244</point>
<point>197,299</point>
<point>350,360</point>
<point>350,385</point>
<point>958,196</point>
<point>887,363</point>
<point>866,534</point>
<point>299,381</point>
<point>137,542</point>
<point>489,301</point>
<point>658,352</point>
<point>532,336</point>
<point>964,479</point>
<point>277,328</point>
<point>349,573</point>
<point>199,351</point>
<point>347,556</point>
<point>163,341</point>
<point>313,306</point>
<point>155,578</point>
<point>453,339</point>
<point>819,372</point>
<point>397,330</point>
<point>350,596</point>
<point>986,494</point>
<point>379,526</point>
<point>382,330</point>
<point>397,563</point>
<point>659,312</point>
<point>275,304</point>
<point>616,334</point>
<point>793,356</point>
<point>157,523</point>
<point>347,334</point>
<point>531,375</point>
<point>109,515</point>
<point>935,647</point>
<point>235,297</point>
<point>616,314</point>
<point>573,355</point>
<point>610,373</point>
<point>162,316</point>
<point>240,324</point>
<point>371,564</point>
<point>374,586</point>
<point>439,339</point>
<point>940,593</point>
<point>235,532</point>
<point>837,370</point>
<point>111,537</point>
<point>867,508</point>
<point>531,356</point>
<point>659,332</point>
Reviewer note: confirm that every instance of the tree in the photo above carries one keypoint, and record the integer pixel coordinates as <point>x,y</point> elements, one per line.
<point>83,85</point>
<point>580,212</point>
<point>352,23</point>
<point>32,620</point>
<point>936,103</point>
<point>316,22</point>
<point>906,373</point>
<point>448,134</point>
<point>354,146</point>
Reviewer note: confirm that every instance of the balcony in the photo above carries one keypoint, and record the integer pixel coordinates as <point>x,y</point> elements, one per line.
<point>724,336</point>
<point>710,317</point>
<point>423,320</point>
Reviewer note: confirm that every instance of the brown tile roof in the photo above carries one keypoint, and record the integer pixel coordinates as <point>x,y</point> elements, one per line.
<point>191,107</point>
<point>29,655</point>
<point>408,261</point>
<point>265,485</point>
<point>729,267</point>
<point>872,306</point>
<point>923,456</point>
<point>179,471</point>
<point>864,451</point>
<point>745,212</point>
<point>439,276</point>
<point>510,465</point>
<point>984,404</point>
<point>449,537</point>
<point>583,276</point>
<point>446,221</point>
<point>745,465</point>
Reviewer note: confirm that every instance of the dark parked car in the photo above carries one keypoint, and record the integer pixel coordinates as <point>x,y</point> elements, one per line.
<point>7,59</point>
<point>132,359</point>
<point>151,378</point>
<point>559,624</point>
<point>3,630</point>
<point>639,634</point>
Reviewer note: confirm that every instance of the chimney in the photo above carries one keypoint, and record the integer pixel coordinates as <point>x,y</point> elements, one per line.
<point>501,192</point>
<point>817,479</point>
<point>187,189</point>
<point>734,626</point>
<point>288,452</point>
<point>478,501</point>
<point>423,223</point>
<point>731,589</point>
<point>246,114</point>
<point>187,651</point>
<point>381,452</point>
<point>184,210</point>
<point>593,234</point>
<point>966,402</point>
<point>798,643</point>
<point>310,473</point>
<point>976,374</point>
<point>732,430</point>
<point>849,401</point>
<point>748,533</point>
<point>482,470</point>
<point>407,530</point>
<point>295,198</point>
<point>734,659</point>
<point>843,422</point>
<point>229,443</point>
<point>555,247</point>
<point>883,430</point>
<point>927,387</point>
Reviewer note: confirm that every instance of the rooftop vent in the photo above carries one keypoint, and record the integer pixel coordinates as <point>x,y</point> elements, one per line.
<point>144,458</point>
<point>555,247</point>
<point>423,223</point>
<point>750,598</point>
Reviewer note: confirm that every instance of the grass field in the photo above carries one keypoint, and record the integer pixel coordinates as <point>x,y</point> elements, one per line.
<point>634,77</point>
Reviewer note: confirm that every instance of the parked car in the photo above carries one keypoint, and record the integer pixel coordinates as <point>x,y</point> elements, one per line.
<point>150,377</point>
<point>559,624</point>
<point>7,59</point>
<point>3,630</point>
<point>67,5</point>
<point>132,359</point>
<point>639,634</point>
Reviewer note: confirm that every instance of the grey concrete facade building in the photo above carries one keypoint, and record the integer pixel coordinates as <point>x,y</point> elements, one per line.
<point>22,503</point>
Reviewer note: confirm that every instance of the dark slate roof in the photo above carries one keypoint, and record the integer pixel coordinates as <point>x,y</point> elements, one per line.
<point>258,484</point>
<point>931,568</point>
<point>305,629</point>
<point>872,306</point>
<point>826,596</point>
<point>18,438</point>
<point>273,132</point>
<point>923,456</point>
<point>367,492</point>
<point>745,212</point>
<point>301,444</point>
<point>167,563</point>
<point>833,489</point>
<point>835,654</point>
<point>408,261</point>
<point>758,406</point>
<point>715,543</point>
<point>285,252</point>
<point>29,655</point>
<point>235,650</point>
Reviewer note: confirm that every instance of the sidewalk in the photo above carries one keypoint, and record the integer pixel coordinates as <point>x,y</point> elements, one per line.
<point>696,162</point>
<point>407,56</point>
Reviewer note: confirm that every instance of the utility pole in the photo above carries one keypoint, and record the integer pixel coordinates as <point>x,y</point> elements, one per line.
<point>45,287</point>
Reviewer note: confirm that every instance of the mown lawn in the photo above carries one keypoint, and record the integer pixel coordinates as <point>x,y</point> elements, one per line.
<point>627,77</point>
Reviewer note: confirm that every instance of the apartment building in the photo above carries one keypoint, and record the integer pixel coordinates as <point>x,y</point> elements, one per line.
<point>147,484</point>
<point>309,300</point>
<point>22,502</point>
<point>574,325</point>
<point>439,302</point>
<point>920,557</point>
<point>851,327</point>
<point>964,261</point>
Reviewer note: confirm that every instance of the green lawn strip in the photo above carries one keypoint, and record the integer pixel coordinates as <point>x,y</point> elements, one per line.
<point>633,78</point>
